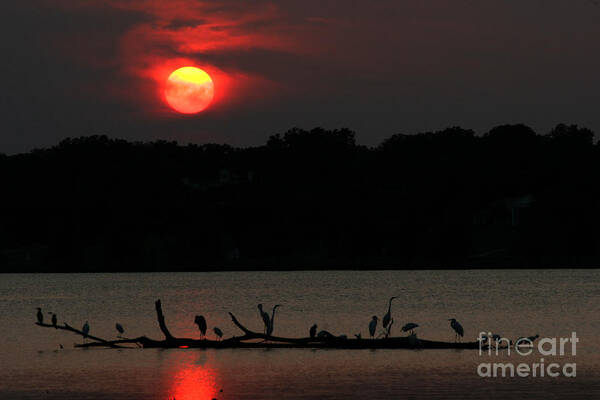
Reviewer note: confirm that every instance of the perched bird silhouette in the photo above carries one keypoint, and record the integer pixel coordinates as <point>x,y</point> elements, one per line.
<point>40,316</point>
<point>410,327</point>
<point>373,326</point>
<point>272,321</point>
<point>218,332</point>
<point>119,328</point>
<point>265,317</point>
<point>85,330</point>
<point>458,329</point>
<point>54,321</point>
<point>201,322</point>
<point>388,316</point>
<point>313,331</point>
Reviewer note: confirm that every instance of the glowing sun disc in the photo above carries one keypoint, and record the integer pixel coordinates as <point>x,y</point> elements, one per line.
<point>189,90</point>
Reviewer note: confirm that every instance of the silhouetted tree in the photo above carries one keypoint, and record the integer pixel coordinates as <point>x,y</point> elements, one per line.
<point>307,198</point>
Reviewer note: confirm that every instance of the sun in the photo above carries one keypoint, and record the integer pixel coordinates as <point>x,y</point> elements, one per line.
<point>189,90</point>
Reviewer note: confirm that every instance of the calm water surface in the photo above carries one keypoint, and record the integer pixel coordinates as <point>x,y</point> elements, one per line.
<point>552,303</point>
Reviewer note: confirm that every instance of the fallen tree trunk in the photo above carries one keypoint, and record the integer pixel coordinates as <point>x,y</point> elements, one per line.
<point>251,339</point>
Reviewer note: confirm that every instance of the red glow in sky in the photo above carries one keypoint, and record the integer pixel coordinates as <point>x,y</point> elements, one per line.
<point>377,67</point>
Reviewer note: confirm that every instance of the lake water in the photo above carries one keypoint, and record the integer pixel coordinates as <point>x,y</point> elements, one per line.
<point>552,303</point>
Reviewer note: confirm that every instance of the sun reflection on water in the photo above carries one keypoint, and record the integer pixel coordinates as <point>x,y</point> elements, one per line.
<point>194,382</point>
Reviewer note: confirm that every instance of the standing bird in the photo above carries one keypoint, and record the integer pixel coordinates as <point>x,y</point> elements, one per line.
<point>313,331</point>
<point>373,326</point>
<point>457,328</point>
<point>40,316</point>
<point>54,321</point>
<point>218,332</point>
<point>272,321</point>
<point>85,330</point>
<point>388,317</point>
<point>119,328</point>
<point>265,317</point>
<point>410,327</point>
<point>201,322</point>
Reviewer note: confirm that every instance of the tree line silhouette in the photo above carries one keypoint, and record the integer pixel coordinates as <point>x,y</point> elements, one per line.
<point>306,199</point>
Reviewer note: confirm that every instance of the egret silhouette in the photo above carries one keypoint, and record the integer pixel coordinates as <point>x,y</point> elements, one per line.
<point>373,326</point>
<point>218,332</point>
<point>313,331</point>
<point>201,322</point>
<point>458,329</point>
<point>85,330</point>
<point>388,316</point>
<point>119,328</point>
<point>410,327</point>
<point>272,321</point>
<point>54,321</point>
<point>265,318</point>
<point>40,316</point>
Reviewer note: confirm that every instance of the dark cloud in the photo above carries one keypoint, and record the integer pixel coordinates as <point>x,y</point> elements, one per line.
<point>72,68</point>
<point>178,23</point>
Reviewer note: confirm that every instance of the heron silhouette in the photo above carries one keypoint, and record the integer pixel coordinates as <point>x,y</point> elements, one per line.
<point>40,316</point>
<point>388,316</point>
<point>85,330</point>
<point>272,321</point>
<point>218,332</point>
<point>265,317</point>
<point>458,329</point>
<point>313,331</point>
<point>373,326</point>
<point>201,322</point>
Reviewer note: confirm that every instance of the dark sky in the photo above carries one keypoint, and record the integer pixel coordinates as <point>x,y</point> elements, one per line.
<point>79,67</point>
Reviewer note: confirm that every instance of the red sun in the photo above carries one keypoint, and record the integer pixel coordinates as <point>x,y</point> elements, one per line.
<point>189,90</point>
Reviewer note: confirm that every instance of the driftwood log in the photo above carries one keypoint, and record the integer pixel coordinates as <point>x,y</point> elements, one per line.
<point>251,339</point>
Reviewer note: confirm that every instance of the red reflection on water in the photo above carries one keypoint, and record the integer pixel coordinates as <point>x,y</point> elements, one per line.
<point>194,383</point>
